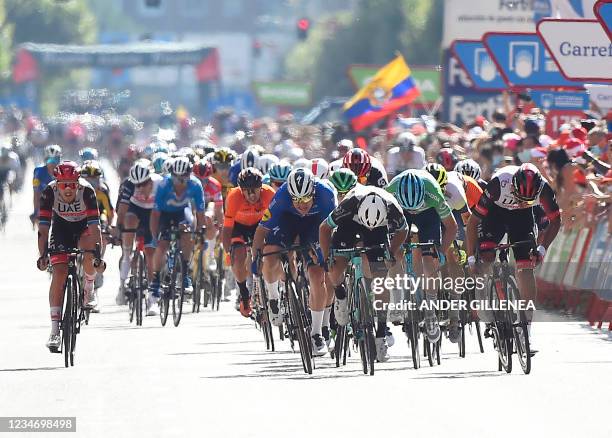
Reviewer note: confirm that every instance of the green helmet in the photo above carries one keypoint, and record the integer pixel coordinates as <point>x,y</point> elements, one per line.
<point>343,179</point>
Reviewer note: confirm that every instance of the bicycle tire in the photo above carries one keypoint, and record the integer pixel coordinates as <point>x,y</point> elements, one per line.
<point>198,283</point>
<point>131,297</point>
<point>66,321</point>
<point>413,336</point>
<point>76,297</point>
<point>164,302</point>
<point>521,339</point>
<point>479,335</point>
<point>140,287</point>
<point>427,348</point>
<point>462,339</point>
<point>264,322</point>
<point>500,332</point>
<point>178,291</point>
<point>298,321</point>
<point>367,324</point>
<point>339,344</point>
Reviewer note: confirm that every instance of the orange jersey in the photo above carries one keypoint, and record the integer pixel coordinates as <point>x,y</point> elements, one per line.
<point>237,209</point>
<point>473,191</point>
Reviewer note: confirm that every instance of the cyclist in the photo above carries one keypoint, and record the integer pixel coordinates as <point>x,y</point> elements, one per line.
<point>10,168</point>
<point>175,196</point>
<point>371,215</point>
<point>222,160</point>
<point>69,212</point>
<point>213,199</point>
<point>265,162</point>
<point>342,180</point>
<point>405,154</point>
<point>369,172</point>
<point>472,169</point>
<point>158,160</point>
<point>447,157</point>
<point>249,158</point>
<point>245,206</point>
<point>43,175</point>
<point>319,168</point>
<point>420,195</point>
<point>296,211</point>
<point>507,207</point>
<point>136,201</point>
<point>342,147</point>
<point>278,174</point>
<point>88,154</point>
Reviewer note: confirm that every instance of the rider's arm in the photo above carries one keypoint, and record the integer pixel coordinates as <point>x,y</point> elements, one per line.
<point>258,240</point>
<point>121,211</point>
<point>93,215</point>
<point>154,222</point>
<point>450,231</point>
<point>43,238</point>
<point>549,203</point>
<point>480,211</point>
<point>471,235</point>
<point>325,234</point>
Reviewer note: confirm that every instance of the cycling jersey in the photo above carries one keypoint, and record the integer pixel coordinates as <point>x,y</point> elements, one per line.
<point>239,210</point>
<point>473,190</point>
<point>226,184</point>
<point>42,178</point>
<point>105,205</point>
<point>143,197</point>
<point>281,205</point>
<point>84,206</point>
<point>167,201</point>
<point>212,191</point>
<point>347,209</point>
<point>499,193</point>
<point>433,193</point>
<point>377,175</point>
<point>454,193</point>
<point>395,162</point>
<point>234,171</point>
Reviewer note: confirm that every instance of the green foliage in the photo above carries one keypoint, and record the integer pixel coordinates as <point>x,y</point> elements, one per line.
<point>6,41</point>
<point>370,35</point>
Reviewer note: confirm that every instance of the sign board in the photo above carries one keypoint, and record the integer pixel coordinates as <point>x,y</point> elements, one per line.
<point>470,19</point>
<point>462,102</point>
<point>560,100</point>
<point>283,93</point>
<point>556,118</point>
<point>600,95</point>
<point>428,79</point>
<point>478,64</point>
<point>581,49</point>
<point>524,62</point>
<point>603,12</point>
<point>563,9</point>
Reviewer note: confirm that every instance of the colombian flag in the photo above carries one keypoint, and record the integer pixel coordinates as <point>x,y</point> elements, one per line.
<point>391,88</point>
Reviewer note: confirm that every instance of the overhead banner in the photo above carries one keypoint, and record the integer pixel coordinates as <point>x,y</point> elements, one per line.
<point>601,95</point>
<point>524,62</point>
<point>283,93</point>
<point>560,100</point>
<point>580,48</point>
<point>477,63</point>
<point>427,78</point>
<point>603,13</point>
<point>470,19</point>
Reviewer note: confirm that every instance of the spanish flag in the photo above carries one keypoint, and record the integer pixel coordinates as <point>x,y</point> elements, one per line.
<point>391,88</point>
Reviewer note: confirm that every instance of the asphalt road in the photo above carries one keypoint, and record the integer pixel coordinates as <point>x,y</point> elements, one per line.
<point>211,376</point>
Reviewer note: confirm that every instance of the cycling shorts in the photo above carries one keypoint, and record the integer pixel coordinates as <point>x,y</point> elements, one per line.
<point>294,227</point>
<point>242,233</point>
<point>65,235</point>
<point>349,232</point>
<point>168,219</point>
<point>143,230</point>
<point>430,227</point>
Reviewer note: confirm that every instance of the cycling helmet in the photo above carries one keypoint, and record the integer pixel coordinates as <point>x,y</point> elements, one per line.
<point>140,171</point>
<point>187,152</point>
<point>527,182</point>
<point>447,157</point>
<point>158,160</point>
<point>468,167</point>
<point>372,211</point>
<point>344,145</point>
<point>410,191</point>
<point>224,156</point>
<point>181,166</point>
<point>202,169</point>
<point>300,183</point>
<point>250,158</point>
<point>53,154</point>
<point>91,169</point>
<point>343,180</point>
<point>319,167</point>
<point>67,171</point>
<point>406,140</point>
<point>250,178</point>
<point>266,161</point>
<point>439,173</point>
<point>358,160</point>
<point>88,154</point>
<point>279,171</point>
<point>302,163</point>
<point>149,150</point>
<point>168,165</point>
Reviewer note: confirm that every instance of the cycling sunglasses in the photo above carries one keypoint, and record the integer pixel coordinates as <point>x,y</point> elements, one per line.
<point>67,185</point>
<point>302,199</point>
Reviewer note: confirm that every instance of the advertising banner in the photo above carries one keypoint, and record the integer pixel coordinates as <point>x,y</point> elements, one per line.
<point>478,64</point>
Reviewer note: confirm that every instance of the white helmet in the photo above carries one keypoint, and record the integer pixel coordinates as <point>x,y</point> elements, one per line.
<point>300,183</point>
<point>372,211</point>
<point>335,165</point>
<point>181,166</point>
<point>468,167</point>
<point>168,165</point>
<point>302,163</point>
<point>406,140</point>
<point>319,167</point>
<point>266,161</point>
<point>53,151</point>
<point>249,158</point>
<point>140,171</point>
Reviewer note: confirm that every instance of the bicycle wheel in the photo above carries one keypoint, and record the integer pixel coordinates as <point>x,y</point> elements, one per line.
<point>519,328</point>
<point>479,335</point>
<point>140,287</point>
<point>413,332</point>
<point>132,295</point>
<point>367,326</point>
<point>462,339</point>
<point>259,288</point>
<point>67,320</point>
<point>500,330</point>
<point>177,289</point>
<point>198,282</point>
<point>164,302</point>
<point>302,332</point>
<point>340,344</point>
<point>76,323</point>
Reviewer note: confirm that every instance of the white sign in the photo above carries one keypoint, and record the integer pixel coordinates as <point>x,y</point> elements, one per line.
<point>470,19</point>
<point>601,95</point>
<point>581,48</point>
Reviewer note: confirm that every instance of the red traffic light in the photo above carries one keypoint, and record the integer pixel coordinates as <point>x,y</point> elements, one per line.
<point>303,24</point>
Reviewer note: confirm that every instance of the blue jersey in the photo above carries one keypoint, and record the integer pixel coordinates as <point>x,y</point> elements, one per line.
<point>324,203</point>
<point>41,178</point>
<point>167,201</point>
<point>234,171</point>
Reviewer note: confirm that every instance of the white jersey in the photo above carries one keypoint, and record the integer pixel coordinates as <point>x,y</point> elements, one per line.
<point>141,196</point>
<point>454,192</point>
<point>377,164</point>
<point>506,198</point>
<point>395,164</point>
<point>12,163</point>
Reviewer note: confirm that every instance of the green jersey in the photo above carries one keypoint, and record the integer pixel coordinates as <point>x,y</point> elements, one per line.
<point>434,198</point>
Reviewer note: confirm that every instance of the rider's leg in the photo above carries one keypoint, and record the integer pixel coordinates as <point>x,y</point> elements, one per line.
<point>239,269</point>
<point>127,243</point>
